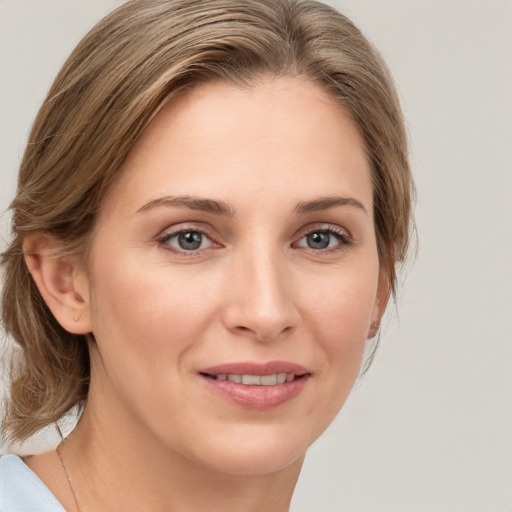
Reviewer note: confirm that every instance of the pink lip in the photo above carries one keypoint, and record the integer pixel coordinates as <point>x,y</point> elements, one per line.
<point>257,397</point>
<point>250,368</point>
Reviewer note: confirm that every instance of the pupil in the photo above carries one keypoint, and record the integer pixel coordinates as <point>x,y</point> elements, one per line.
<point>318,240</point>
<point>190,240</point>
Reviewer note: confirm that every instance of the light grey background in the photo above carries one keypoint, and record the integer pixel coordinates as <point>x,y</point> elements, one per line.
<point>430,427</point>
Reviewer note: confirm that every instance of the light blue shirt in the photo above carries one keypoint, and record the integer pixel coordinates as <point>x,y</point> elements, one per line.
<point>21,490</point>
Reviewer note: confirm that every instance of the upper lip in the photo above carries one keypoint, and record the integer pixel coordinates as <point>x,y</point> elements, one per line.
<point>253,368</point>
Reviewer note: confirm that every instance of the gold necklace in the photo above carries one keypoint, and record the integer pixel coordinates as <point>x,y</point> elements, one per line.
<point>67,474</point>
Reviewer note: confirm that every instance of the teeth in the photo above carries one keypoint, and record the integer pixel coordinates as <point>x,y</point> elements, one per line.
<point>269,380</point>
<point>256,380</point>
<point>251,380</point>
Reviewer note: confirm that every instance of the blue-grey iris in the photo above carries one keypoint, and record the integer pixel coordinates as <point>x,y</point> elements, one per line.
<point>318,240</point>
<point>190,240</point>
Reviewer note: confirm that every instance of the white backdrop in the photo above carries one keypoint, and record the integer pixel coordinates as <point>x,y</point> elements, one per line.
<point>430,427</point>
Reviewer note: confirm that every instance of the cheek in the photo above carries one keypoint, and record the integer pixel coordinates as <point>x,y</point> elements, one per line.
<point>340,305</point>
<point>150,314</point>
<point>146,319</point>
<point>338,318</point>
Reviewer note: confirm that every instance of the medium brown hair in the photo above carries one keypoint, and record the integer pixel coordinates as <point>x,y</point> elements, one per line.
<point>115,82</point>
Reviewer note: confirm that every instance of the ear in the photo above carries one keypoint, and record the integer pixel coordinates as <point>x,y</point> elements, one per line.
<point>61,281</point>
<point>381,302</point>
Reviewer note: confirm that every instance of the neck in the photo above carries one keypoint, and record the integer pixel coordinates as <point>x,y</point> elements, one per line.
<point>115,464</point>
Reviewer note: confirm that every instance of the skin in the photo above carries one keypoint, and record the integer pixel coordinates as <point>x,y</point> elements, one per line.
<point>254,291</point>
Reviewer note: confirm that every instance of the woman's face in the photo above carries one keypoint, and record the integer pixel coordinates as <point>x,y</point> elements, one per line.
<point>238,244</point>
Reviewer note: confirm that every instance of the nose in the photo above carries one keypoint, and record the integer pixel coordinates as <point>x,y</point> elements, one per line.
<point>261,297</point>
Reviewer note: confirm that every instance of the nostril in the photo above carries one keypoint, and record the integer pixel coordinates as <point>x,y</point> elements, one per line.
<point>243,329</point>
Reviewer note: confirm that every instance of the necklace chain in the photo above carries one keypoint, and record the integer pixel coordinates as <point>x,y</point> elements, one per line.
<point>67,474</point>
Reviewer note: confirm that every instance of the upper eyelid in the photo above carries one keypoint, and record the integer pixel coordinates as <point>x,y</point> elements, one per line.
<point>200,227</point>
<point>322,226</point>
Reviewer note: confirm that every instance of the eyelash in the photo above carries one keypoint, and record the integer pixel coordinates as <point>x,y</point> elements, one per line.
<point>163,240</point>
<point>344,239</point>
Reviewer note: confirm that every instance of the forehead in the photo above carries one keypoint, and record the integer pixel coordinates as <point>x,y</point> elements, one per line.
<point>284,136</point>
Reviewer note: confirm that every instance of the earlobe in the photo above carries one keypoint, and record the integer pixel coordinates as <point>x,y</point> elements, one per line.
<point>61,281</point>
<point>374,329</point>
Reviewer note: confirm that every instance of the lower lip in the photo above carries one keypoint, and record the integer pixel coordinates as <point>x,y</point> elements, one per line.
<point>258,397</point>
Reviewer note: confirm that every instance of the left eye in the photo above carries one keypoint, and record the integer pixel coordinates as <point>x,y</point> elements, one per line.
<point>188,240</point>
<point>319,240</point>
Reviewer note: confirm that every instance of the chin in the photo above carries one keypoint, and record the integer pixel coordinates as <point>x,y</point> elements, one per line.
<point>253,451</point>
<point>250,462</point>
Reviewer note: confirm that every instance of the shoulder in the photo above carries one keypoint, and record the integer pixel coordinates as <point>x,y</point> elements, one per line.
<point>21,490</point>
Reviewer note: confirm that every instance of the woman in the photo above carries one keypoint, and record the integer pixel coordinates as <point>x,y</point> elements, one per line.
<point>210,212</point>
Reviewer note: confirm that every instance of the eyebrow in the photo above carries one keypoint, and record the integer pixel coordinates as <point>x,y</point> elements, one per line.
<point>324,203</point>
<point>190,203</point>
<point>223,208</point>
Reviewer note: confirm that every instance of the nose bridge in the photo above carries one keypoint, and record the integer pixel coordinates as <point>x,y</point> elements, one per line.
<point>262,303</point>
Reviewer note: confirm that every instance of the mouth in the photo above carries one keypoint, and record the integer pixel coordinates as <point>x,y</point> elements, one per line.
<point>257,386</point>
<point>255,380</point>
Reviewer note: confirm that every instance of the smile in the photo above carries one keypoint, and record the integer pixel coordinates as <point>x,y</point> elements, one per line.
<point>257,386</point>
<point>255,380</point>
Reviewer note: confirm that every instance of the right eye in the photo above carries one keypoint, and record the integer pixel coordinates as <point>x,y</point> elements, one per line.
<point>187,240</point>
